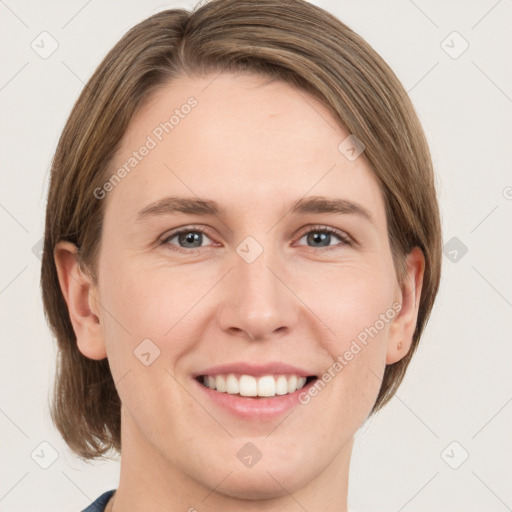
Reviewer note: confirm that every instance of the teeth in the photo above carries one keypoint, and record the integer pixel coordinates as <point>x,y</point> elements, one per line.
<point>247,385</point>
<point>281,385</point>
<point>292,384</point>
<point>231,385</point>
<point>266,386</point>
<point>219,383</point>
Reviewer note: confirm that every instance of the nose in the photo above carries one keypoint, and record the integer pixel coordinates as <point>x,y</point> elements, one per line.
<point>257,299</point>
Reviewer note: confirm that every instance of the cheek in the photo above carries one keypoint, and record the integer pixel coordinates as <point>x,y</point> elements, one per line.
<point>148,302</point>
<point>348,300</point>
<point>355,306</point>
<point>336,303</point>
<point>161,304</point>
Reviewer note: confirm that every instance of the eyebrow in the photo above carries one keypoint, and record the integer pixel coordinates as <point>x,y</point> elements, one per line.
<point>198,206</point>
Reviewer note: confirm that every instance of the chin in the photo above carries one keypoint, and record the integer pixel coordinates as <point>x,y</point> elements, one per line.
<point>262,483</point>
<point>273,476</point>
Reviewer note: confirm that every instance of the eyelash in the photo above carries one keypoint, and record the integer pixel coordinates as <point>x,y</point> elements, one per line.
<point>345,240</point>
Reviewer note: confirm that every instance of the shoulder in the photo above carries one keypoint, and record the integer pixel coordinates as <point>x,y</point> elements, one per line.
<point>99,504</point>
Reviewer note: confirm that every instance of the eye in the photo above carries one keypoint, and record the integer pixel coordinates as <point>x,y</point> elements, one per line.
<point>321,236</point>
<point>192,237</point>
<point>187,238</point>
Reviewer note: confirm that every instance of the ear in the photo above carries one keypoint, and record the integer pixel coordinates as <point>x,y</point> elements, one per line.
<point>404,324</point>
<point>80,295</point>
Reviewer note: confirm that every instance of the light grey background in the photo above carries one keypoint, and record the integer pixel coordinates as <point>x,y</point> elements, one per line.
<point>456,398</point>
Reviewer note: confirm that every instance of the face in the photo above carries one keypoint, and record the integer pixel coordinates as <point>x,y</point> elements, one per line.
<point>263,293</point>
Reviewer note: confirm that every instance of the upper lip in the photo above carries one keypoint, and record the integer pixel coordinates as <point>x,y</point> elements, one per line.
<point>258,370</point>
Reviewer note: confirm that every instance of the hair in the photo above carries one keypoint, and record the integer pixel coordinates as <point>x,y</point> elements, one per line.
<point>290,40</point>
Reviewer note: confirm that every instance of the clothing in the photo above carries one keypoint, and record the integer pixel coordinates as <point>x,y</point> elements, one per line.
<point>100,504</point>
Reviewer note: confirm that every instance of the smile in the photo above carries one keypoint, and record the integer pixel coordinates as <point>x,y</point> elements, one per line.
<point>252,391</point>
<point>254,386</point>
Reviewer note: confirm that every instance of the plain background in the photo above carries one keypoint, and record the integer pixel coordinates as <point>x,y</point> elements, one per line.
<point>456,399</point>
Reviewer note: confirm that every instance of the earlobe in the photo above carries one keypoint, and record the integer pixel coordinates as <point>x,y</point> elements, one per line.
<point>79,293</point>
<point>404,325</point>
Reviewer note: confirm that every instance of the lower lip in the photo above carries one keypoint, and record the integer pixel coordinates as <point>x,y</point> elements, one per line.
<point>255,408</point>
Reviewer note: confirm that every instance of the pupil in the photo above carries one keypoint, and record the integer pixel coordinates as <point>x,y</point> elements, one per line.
<point>320,237</point>
<point>191,237</point>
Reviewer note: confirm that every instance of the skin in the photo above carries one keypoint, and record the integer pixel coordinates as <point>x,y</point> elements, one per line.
<point>254,147</point>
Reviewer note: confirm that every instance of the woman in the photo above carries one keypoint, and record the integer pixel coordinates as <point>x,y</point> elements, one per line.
<point>242,250</point>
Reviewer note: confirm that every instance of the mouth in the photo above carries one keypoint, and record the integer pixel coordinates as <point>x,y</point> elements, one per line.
<point>255,391</point>
<point>252,386</point>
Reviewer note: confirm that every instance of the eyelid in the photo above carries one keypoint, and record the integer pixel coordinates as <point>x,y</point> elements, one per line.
<point>171,234</point>
<point>345,238</point>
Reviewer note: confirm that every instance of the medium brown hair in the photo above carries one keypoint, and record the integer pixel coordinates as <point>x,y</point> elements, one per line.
<point>288,40</point>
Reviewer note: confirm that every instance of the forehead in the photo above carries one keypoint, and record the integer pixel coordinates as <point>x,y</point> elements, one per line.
<point>240,138</point>
<point>258,117</point>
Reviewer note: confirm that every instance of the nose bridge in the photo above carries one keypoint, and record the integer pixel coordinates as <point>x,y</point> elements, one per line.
<point>258,301</point>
